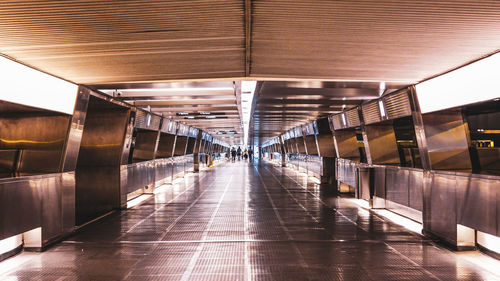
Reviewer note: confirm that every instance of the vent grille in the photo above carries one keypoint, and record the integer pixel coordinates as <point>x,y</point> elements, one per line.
<point>371,112</point>
<point>145,120</point>
<point>352,117</point>
<point>397,105</point>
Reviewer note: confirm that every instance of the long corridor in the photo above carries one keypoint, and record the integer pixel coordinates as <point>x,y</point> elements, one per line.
<point>244,222</point>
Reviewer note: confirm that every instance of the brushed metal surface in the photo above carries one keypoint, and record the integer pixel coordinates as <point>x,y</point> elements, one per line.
<point>163,171</point>
<point>45,201</point>
<point>180,145</point>
<point>97,191</point>
<point>347,172</point>
<point>20,204</point>
<point>75,131</point>
<point>145,145</point>
<point>37,138</point>
<point>315,165</point>
<point>311,144</point>
<point>382,144</point>
<point>165,146</point>
<point>347,144</point>
<point>103,133</point>
<point>447,141</point>
<point>136,176</point>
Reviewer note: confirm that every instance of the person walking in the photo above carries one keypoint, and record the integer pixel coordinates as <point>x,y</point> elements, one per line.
<point>245,155</point>
<point>233,154</point>
<point>238,152</point>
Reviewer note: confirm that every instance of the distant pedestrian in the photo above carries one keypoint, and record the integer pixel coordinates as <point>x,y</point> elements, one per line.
<point>238,152</point>
<point>233,154</point>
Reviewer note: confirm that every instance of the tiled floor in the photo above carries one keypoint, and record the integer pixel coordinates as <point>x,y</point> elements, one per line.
<point>244,222</point>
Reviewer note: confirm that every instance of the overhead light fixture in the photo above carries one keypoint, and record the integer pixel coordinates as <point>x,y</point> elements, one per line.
<point>182,113</point>
<point>210,117</point>
<point>381,107</point>
<point>247,94</point>
<point>189,117</point>
<point>189,89</point>
<point>27,86</point>
<point>381,88</point>
<point>472,83</point>
<point>205,113</point>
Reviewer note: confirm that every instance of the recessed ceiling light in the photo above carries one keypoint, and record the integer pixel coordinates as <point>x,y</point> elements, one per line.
<point>182,113</point>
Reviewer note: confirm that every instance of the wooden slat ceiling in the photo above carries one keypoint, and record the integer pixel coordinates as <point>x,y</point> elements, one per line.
<point>93,42</point>
<point>133,43</point>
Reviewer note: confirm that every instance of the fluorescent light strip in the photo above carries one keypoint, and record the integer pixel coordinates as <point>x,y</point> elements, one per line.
<point>472,83</point>
<point>27,86</point>
<point>174,89</point>
<point>397,219</point>
<point>9,244</point>
<point>138,200</point>
<point>489,241</point>
<point>247,91</point>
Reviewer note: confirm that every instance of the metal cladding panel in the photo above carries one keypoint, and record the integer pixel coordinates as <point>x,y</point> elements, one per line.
<point>337,122</point>
<point>371,112</point>
<point>146,120</point>
<point>310,128</point>
<point>166,126</point>
<point>397,105</point>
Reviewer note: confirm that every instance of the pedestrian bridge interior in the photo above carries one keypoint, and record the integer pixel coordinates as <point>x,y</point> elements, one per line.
<point>249,140</point>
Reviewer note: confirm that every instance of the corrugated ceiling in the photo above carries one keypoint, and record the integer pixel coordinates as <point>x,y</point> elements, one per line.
<point>94,42</point>
<point>117,44</point>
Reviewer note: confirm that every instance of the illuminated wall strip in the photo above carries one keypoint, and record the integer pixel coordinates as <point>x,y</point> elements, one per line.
<point>9,244</point>
<point>27,86</point>
<point>472,83</point>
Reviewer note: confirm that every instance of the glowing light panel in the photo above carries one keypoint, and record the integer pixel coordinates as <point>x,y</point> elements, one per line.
<point>27,86</point>
<point>472,83</point>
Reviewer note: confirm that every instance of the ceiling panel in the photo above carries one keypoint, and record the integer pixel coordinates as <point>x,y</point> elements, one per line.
<point>402,41</point>
<point>94,42</point>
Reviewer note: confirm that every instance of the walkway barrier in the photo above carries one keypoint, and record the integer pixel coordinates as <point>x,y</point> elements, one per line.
<point>41,203</point>
<point>451,205</point>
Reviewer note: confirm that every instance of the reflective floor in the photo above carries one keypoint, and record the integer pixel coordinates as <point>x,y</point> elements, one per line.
<point>244,222</point>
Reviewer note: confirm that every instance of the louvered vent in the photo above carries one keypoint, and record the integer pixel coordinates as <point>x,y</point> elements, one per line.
<point>145,120</point>
<point>371,112</point>
<point>352,117</point>
<point>397,105</point>
<point>165,126</point>
<point>337,122</point>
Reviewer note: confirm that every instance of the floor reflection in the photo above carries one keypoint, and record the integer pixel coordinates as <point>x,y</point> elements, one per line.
<point>243,221</point>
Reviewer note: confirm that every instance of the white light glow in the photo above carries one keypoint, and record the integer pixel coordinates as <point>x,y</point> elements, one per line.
<point>382,109</point>
<point>162,188</point>
<point>138,200</point>
<point>247,93</point>
<point>381,88</point>
<point>488,241</point>
<point>344,121</point>
<point>472,83</point>
<point>10,243</point>
<point>362,203</point>
<point>404,222</point>
<point>315,180</point>
<point>27,86</point>
<point>190,89</point>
